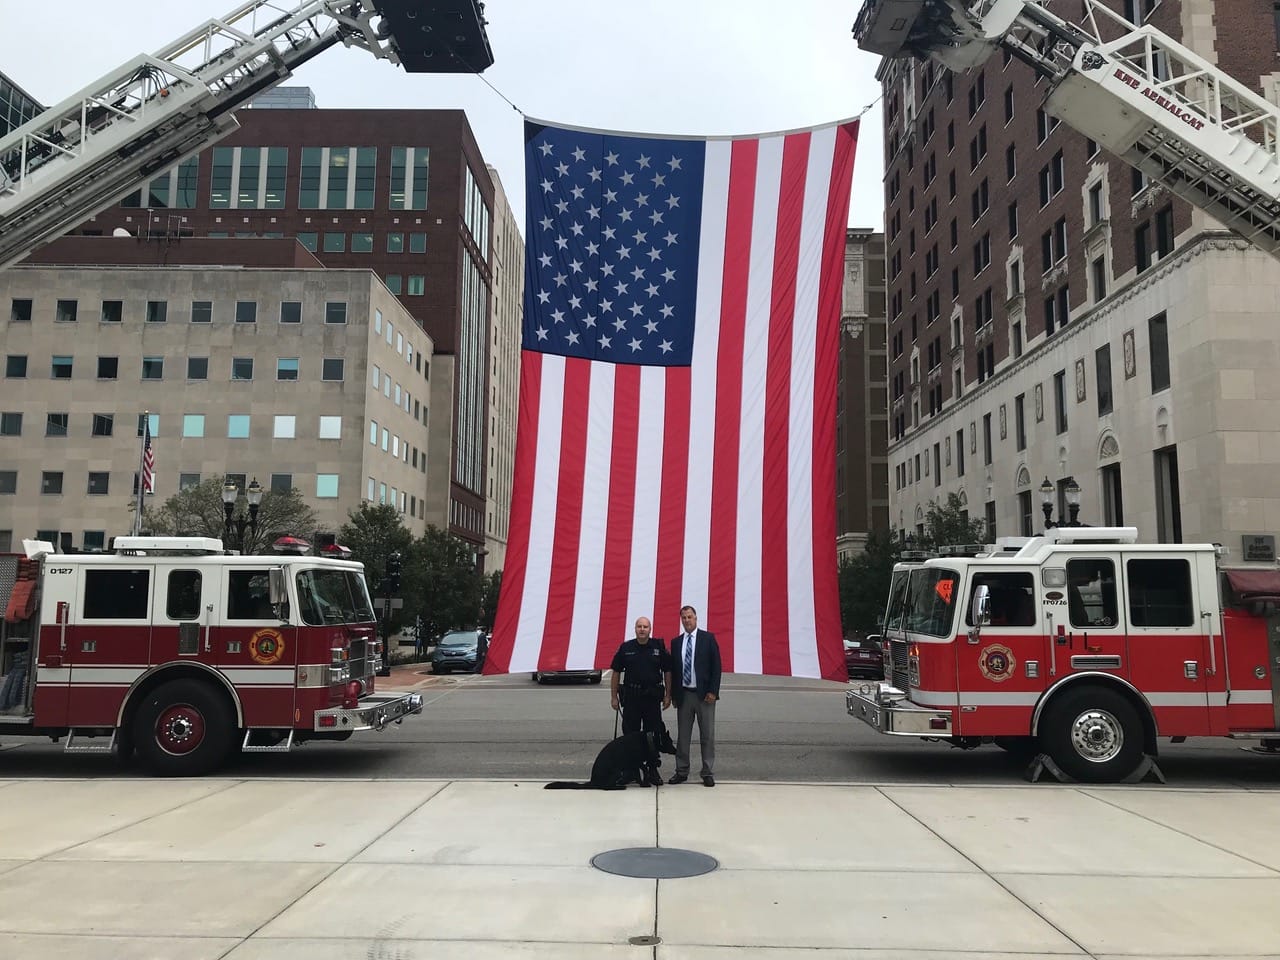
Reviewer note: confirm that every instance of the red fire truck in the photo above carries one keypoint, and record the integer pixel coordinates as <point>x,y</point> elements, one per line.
<point>1082,644</point>
<point>174,650</point>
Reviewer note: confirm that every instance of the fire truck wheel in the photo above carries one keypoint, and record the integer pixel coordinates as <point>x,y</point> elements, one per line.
<point>1093,734</point>
<point>183,729</point>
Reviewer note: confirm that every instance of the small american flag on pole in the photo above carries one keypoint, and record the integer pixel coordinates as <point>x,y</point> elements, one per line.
<point>148,458</point>
<point>676,438</point>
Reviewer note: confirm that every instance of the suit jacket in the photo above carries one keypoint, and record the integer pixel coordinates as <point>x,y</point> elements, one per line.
<point>706,665</point>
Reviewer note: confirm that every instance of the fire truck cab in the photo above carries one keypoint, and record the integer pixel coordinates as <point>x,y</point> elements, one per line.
<point>1083,644</point>
<point>176,651</point>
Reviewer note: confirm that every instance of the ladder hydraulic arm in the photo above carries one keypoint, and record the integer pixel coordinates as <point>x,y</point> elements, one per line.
<point>87,152</point>
<point>1152,102</point>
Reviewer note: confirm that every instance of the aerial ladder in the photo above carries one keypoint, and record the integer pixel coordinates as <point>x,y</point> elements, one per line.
<point>1149,100</point>
<point>81,156</point>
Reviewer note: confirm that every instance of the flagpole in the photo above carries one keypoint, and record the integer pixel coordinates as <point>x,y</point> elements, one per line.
<point>142,486</point>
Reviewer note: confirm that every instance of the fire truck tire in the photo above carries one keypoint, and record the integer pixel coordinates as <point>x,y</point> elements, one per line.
<point>1093,734</point>
<point>183,728</point>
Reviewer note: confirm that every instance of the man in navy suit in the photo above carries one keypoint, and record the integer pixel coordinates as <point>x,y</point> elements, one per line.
<point>695,659</point>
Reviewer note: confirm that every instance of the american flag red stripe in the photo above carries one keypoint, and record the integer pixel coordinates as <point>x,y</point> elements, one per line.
<point>641,488</point>
<point>148,459</point>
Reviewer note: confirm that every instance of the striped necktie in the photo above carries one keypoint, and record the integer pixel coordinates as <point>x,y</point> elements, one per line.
<point>688,660</point>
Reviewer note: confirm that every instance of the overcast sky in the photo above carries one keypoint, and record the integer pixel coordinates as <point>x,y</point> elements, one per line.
<point>645,66</point>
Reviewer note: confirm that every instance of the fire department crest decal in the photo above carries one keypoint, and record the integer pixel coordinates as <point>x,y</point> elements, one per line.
<point>996,662</point>
<point>266,646</point>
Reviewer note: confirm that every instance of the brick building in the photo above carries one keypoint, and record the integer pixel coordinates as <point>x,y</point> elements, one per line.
<point>1053,315</point>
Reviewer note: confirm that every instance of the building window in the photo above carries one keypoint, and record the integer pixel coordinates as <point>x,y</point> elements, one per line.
<point>395,283</point>
<point>1060,400</point>
<point>1164,231</point>
<point>395,243</point>
<point>1020,421</point>
<point>242,368</point>
<point>409,171</point>
<point>193,425</point>
<point>285,427</point>
<point>108,368</point>
<point>186,480</point>
<point>335,243</point>
<point>1158,334</point>
<point>10,424</point>
<point>417,286</point>
<point>1098,269</point>
<point>153,368</point>
<point>330,428</point>
<point>1096,212</point>
<point>197,368</point>
<point>287,368</point>
<point>309,240</point>
<point>15,366</point>
<point>99,484</point>
<point>66,311</point>
<point>281,482</point>
<point>202,311</point>
<point>238,426</point>
<point>332,369</point>
<point>986,439</point>
<point>1102,363</point>
<point>246,311</point>
<point>291,311</point>
<point>157,311</point>
<point>362,243</point>
<point>1025,516</point>
<point>152,420</point>
<point>112,311</point>
<point>103,425</point>
<point>335,312</point>
<point>51,482</point>
<point>1013,220</point>
<point>1017,338</point>
<point>326,486</point>
<point>8,482</point>
<point>61,368</point>
<point>1142,247</point>
<point>20,311</point>
<point>959,453</point>
<point>417,243</point>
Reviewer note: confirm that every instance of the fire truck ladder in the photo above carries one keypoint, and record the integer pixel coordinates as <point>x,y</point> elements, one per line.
<point>1149,100</point>
<point>109,139</point>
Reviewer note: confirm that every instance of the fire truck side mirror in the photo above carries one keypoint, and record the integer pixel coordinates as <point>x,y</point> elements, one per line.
<point>981,611</point>
<point>276,590</point>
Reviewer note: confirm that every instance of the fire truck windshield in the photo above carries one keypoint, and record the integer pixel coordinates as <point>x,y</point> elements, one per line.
<point>333,596</point>
<point>931,601</point>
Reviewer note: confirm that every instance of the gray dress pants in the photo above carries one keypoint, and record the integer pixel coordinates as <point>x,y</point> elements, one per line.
<point>691,707</point>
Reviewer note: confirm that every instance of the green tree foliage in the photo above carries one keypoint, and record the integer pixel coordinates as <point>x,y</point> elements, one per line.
<point>198,511</point>
<point>864,583</point>
<point>489,591</point>
<point>442,584</point>
<point>373,532</point>
<point>948,523</point>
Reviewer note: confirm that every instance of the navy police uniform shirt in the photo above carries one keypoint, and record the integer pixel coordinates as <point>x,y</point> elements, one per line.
<point>642,665</point>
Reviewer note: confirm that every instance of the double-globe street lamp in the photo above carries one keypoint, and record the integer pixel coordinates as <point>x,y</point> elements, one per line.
<point>1070,492</point>
<point>238,522</point>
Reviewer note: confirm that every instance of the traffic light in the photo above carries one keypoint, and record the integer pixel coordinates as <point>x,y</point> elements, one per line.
<point>393,574</point>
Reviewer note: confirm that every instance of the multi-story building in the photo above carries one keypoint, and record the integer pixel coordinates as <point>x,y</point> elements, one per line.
<point>16,106</point>
<point>299,376</point>
<point>403,193</point>
<point>504,372</point>
<point>862,422</point>
<point>1053,315</point>
<point>285,98</point>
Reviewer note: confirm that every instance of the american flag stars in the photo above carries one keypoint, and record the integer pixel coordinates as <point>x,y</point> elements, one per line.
<point>614,227</point>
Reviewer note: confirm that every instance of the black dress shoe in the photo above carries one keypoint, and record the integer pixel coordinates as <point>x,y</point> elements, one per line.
<point>653,778</point>
<point>708,781</point>
<point>677,778</point>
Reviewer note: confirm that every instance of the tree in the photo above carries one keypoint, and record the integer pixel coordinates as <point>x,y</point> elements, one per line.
<point>442,584</point>
<point>864,583</point>
<point>198,511</point>
<point>372,533</point>
<point>948,523</point>
<point>489,590</point>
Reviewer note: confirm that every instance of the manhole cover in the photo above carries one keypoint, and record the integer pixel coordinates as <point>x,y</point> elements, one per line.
<point>658,863</point>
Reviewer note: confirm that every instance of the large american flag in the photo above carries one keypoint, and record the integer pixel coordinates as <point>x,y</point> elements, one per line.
<point>676,435</point>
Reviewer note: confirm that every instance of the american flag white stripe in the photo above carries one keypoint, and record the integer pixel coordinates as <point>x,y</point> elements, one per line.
<point>753,385</point>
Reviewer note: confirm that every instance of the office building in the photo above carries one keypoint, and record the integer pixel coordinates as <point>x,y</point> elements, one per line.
<point>16,106</point>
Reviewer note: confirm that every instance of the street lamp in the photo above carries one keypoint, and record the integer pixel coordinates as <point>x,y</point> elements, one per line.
<point>231,493</point>
<point>1072,493</point>
<point>1046,502</point>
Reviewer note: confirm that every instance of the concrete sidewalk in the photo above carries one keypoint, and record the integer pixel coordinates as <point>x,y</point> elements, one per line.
<point>286,870</point>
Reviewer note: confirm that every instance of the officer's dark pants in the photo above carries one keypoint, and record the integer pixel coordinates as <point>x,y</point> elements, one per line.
<point>641,713</point>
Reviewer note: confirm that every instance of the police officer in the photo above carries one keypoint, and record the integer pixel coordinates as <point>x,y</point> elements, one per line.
<point>642,669</point>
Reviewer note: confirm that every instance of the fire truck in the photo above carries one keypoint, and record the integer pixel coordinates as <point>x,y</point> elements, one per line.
<point>175,651</point>
<point>1083,644</point>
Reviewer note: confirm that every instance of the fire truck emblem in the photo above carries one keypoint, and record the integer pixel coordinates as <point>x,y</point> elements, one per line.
<point>1091,60</point>
<point>266,647</point>
<point>996,662</point>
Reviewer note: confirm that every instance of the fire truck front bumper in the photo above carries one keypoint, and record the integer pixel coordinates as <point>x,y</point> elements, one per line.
<point>887,709</point>
<point>371,713</point>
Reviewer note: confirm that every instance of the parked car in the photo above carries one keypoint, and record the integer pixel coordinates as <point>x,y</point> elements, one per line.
<point>591,676</point>
<point>865,657</point>
<point>460,650</point>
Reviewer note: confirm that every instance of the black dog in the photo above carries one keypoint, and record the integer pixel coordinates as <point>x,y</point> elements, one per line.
<point>623,761</point>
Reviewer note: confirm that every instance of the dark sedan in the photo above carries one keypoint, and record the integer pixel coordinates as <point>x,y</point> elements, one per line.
<point>864,658</point>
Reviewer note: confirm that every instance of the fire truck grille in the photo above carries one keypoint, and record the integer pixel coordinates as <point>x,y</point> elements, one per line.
<point>898,667</point>
<point>359,658</point>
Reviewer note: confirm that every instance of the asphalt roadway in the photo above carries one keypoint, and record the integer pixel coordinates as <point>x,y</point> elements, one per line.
<point>769,729</point>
